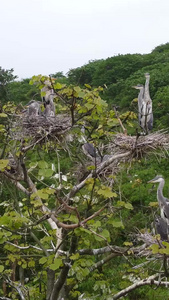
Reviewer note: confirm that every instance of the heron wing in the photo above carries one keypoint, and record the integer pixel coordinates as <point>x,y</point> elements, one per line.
<point>166,210</point>
<point>162,228</point>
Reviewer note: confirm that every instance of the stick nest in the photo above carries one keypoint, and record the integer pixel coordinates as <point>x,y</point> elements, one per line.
<point>140,145</point>
<point>35,127</point>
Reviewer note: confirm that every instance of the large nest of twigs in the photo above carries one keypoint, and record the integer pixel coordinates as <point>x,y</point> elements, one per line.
<point>124,148</point>
<point>38,126</point>
<point>140,145</point>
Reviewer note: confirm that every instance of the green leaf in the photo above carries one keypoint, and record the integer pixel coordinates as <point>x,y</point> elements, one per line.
<point>89,106</point>
<point>42,194</point>
<point>98,238</point>
<point>1,268</point>
<point>3,115</point>
<point>56,265</point>
<point>128,206</point>
<point>3,164</point>
<point>43,260</point>
<point>128,244</point>
<point>120,204</point>
<point>75,256</point>
<point>154,248</point>
<point>153,204</point>
<point>106,192</point>
<point>105,233</point>
<point>43,164</point>
<point>88,86</point>
<point>117,224</point>
<point>58,86</point>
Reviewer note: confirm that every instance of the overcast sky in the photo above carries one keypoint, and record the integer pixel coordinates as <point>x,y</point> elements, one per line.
<point>47,36</point>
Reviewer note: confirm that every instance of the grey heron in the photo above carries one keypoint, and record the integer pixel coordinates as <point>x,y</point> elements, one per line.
<point>90,151</point>
<point>162,228</point>
<point>88,148</point>
<point>33,108</point>
<point>162,201</point>
<point>48,99</point>
<point>49,108</point>
<point>145,114</point>
<point>48,91</point>
<point>148,102</point>
<point>141,105</point>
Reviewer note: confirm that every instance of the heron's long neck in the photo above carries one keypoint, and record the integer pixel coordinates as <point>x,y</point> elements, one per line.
<point>147,93</point>
<point>160,196</point>
<point>141,96</point>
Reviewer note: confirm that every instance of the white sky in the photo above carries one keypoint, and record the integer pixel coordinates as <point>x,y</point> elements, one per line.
<point>47,36</point>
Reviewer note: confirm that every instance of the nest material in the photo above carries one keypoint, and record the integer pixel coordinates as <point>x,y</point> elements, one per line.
<point>140,145</point>
<point>38,126</point>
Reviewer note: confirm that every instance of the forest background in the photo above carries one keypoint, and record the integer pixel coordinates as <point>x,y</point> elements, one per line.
<point>130,204</point>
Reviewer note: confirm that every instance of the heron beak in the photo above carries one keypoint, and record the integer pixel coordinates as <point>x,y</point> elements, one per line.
<point>150,181</point>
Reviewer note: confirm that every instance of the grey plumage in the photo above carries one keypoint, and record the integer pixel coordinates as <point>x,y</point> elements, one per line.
<point>91,152</point>
<point>49,109</point>
<point>162,228</point>
<point>145,113</point>
<point>48,99</point>
<point>141,105</point>
<point>89,149</point>
<point>33,108</point>
<point>148,102</point>
<point>162,201</point>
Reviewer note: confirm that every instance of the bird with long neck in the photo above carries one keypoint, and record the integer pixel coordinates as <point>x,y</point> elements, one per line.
<point>162,201</point>
<point>147,91</point>
<point>148,102</point>
<point>141,104</point>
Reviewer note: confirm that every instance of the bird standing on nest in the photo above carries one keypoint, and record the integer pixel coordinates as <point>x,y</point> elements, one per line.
<point>145,113</point>
<point>48,99</point>
<point>33,109</point>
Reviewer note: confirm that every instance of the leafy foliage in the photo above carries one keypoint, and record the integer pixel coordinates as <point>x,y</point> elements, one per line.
<point>69,224</point>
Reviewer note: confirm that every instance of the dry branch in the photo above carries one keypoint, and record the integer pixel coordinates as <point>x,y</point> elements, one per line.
<point>147,281</point>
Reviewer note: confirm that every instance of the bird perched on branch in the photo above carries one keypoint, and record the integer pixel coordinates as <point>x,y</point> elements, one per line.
<point>88,148</point>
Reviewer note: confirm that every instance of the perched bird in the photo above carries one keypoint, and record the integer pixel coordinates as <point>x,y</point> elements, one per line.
<point>48,91</point>
<point>90,151</point>
<point>48,99</point>
<point>145,113</point>
<point>161,228</point>
<point>162,201</point>
<point>148,101</point>
<point>33,109</point>
<point>49,109</point>
<point>141,105</point>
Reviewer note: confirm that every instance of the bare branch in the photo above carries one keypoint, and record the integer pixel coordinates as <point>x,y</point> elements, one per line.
<point>103,261</point>
<point>17,287</point>
<point>103,165</point>
<point>147,281</point>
